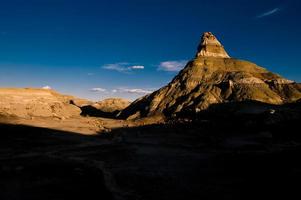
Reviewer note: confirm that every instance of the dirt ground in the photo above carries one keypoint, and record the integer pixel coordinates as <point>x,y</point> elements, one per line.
<point>166,161</point>
<point>79,125</point>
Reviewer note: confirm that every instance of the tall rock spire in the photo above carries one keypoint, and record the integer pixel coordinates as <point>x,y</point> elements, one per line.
<point>211,47</point>
<point>214,78</point>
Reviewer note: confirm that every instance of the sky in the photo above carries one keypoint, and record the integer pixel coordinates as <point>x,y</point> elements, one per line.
<point>128,48</point>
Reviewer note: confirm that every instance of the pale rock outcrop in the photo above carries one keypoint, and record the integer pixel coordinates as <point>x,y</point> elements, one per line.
<point>211,47</point>
<point>29,103</point>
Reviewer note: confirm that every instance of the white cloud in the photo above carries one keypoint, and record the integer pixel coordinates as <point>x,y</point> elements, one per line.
<point>98,90</point>
<point>135,91</point>
<point>137,67</point>
<point>124,90</point>
<point>172,66</point>
<point>46,87</point>
<point>268,13</point>
<point>122,67</point>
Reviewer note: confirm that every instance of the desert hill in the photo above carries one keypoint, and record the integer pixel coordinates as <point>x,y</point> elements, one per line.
<point>108,108</point>
<point>213,77</point>
<point>112,104</point>
<point>50,109</point>
<point>29,102</point>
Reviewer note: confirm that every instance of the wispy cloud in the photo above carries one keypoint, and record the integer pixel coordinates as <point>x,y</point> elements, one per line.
<point>172,66</point>
<point>135,91</point>
<point>268,13</point>
<point>98,89</point>
<point>138,91</point>
<point>122,67</point>
<point>137,67</point>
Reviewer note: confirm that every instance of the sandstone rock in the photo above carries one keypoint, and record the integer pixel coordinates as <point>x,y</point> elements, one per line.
<point>213,78</point>
<point>211,47</point>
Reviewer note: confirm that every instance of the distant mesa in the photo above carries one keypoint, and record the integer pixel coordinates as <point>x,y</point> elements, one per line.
<point>112,104</point>
<point>213,77</point>
<point>106,108</point>
<point>29,103</point>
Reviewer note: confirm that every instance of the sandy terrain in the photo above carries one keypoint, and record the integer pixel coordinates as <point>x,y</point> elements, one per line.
<point>49,109</point>
<point>80,125</point>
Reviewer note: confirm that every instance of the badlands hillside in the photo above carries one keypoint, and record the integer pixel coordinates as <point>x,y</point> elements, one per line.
<point>213,77</point>
<point>112,104</point>
<point>108,108</point>
<point>50,109</point>
<point>109,105</point>
<point>27,103</point>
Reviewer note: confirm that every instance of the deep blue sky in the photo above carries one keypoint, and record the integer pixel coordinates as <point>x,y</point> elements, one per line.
<point>75,46</point>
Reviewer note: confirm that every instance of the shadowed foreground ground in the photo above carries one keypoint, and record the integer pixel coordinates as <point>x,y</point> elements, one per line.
<point>208,159</point>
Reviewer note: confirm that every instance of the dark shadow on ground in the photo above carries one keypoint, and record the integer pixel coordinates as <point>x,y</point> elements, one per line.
<point>30,169</point>
<point>94,112</point>
<point>229,153</point>
<point>218,155</point>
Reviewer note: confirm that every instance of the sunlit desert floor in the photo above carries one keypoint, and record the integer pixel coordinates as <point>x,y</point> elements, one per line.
<point>80,125</point>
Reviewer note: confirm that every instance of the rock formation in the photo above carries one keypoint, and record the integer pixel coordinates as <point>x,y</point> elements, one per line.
<point>80,102</point>
<point>112,104</point>
<point>107,108</point>
<point>212,77</point>
<point>211,47</point>
<point>28,102</point>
